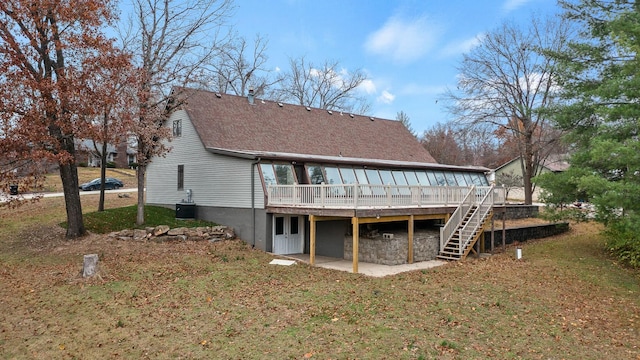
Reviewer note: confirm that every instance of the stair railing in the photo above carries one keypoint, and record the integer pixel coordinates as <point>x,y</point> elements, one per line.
<point>447,231</point>
<point>476,219</point>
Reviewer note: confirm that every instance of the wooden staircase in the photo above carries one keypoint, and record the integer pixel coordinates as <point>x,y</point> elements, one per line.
<point>451,249</point>
<point>466,226</point>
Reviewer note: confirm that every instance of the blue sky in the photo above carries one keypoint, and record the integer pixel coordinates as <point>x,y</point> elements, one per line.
<point>409,49</point>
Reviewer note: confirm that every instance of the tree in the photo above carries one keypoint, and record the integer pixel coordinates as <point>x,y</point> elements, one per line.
<point>170,41</point>
<point>509,181</point>
<point>464,145</point>
<point>599,82</point>
<point>238,67</point>
<point>507,82</point>
<point>440,141</point>
<point>110,86</point>
<point>404,119</point>
<point>46,48</point>
<point>328,86</point>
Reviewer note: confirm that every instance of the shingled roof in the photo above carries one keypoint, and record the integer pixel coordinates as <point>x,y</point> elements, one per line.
<point>229,122</point>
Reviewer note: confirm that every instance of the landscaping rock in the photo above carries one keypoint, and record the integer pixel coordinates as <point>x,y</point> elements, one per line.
<point>177,231</point>
<point>162,233</point>
<point>160,230</point>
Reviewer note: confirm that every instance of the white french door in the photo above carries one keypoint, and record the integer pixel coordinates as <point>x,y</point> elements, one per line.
<point>288,234</point>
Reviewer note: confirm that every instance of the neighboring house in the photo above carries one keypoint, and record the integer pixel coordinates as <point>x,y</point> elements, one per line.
<point>292,179</point>
<point>122,156</point>
<point>555,163</point>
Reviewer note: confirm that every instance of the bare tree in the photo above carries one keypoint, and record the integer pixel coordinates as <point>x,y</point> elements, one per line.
<point>505,81</point>
<point>404,119</point>
<point>440,141</point>
<point>239,66</point>
<point>170,40</point>
<point>509,181</point>
<point>328,86</point>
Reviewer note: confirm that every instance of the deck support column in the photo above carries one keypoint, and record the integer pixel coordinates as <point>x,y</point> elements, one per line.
<point>410,251</point>
<point>356,234</point>
<point>312,240</point>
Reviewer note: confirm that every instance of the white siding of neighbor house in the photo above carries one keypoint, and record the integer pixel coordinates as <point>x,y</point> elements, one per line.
<point>215,180</point>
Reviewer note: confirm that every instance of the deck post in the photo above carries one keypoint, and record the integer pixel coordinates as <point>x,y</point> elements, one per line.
<point>504,230</point>
<point>356,234</point>
<point>312,240</point>
<point>410,251</point>
<point>493,234</point>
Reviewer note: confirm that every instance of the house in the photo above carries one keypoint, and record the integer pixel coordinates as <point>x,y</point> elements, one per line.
<point>121,156</point>
<point>292,179</point>
<point>553,163</point>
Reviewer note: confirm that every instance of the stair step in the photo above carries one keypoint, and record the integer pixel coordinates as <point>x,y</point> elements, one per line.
<point>447,257</point>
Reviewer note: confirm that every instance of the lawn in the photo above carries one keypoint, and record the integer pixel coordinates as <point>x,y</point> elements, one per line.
<point>564,300</point>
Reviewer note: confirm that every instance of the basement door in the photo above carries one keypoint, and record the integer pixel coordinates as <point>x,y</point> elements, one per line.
<point>288,234</point>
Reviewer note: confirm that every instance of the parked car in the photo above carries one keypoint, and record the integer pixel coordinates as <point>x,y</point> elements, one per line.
<point>109,184</point>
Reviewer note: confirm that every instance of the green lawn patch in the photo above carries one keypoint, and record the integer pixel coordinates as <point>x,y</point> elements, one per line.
<point>125,218</point>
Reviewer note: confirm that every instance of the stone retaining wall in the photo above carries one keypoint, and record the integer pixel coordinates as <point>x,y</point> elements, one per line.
<point>519,212</point>
<point>524,233</point>
<point>394,250</point>
<point>163,233</point>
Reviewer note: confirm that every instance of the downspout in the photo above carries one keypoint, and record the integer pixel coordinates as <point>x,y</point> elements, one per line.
<point>253,200</point>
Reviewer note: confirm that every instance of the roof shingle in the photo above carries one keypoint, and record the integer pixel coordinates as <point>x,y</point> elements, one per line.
<point>230,122</point>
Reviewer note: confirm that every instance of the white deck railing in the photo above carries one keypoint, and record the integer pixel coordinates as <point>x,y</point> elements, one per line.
<point>357,196</point>
<point>447,231</point>
<point>476,220</point>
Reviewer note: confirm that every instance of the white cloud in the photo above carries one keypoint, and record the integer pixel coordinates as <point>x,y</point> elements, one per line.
<point>511,5</point>
<point>403,40</point>
<point>461,47</point>
<point>368,86</point>
<point>386,97</point>
<point>277,69</point>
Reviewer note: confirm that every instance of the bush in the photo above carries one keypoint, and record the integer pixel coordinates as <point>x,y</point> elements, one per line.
<point>111,165</point>
<point>623,241</point>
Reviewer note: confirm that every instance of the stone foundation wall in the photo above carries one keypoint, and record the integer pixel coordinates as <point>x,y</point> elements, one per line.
<point>394,251</point>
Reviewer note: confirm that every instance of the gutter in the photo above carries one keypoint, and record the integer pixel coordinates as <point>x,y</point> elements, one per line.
<point>253,200</point>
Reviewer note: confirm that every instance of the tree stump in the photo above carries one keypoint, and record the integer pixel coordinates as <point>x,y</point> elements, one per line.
<point>90,265</point>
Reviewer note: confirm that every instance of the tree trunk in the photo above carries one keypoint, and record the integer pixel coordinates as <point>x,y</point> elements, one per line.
<point>140,173</point>
<point>528,171</point>
<point>103,174</point>
<point>69,176</point>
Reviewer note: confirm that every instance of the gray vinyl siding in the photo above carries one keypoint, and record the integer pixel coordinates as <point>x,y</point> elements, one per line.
<point>215,180</point>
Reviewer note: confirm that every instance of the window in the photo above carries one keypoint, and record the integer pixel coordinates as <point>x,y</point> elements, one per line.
<point>422,178</point>
<point>461,179</point>
<point>177,128</point>
<point>348,176</point>
<point>387,178</point>
<point>180,177</point>
<point>315,174</point>
<point>284,174</point>
<point>333,175</point>
<point>267,174</point>
<point>440,180</point>
<point>451,179</point>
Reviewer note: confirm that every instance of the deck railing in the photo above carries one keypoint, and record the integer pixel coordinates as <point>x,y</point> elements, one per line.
<point>447,231</point>
<point>355,196</point>
<point>476,219</point>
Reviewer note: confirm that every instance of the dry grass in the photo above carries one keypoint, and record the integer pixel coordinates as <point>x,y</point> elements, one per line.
<point>564,300</point>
